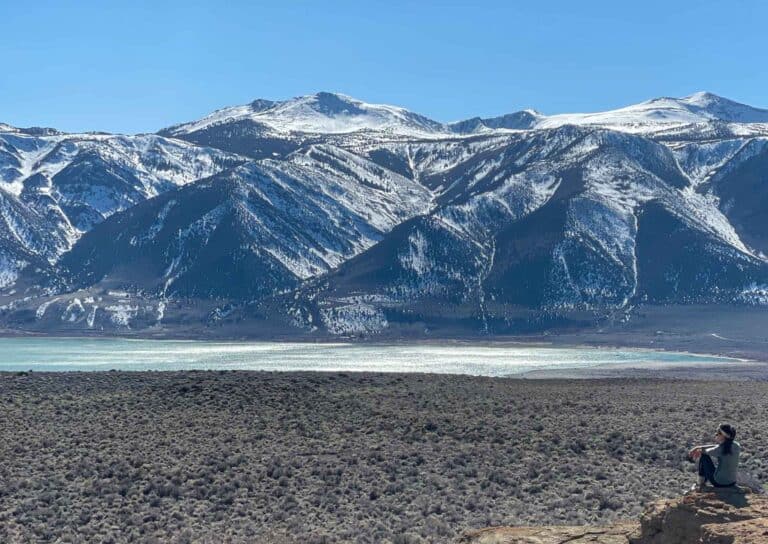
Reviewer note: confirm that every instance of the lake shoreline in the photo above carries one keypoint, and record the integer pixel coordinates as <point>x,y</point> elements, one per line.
<point>736,371</point>
<point>719,330</point>
<point>515,359</point>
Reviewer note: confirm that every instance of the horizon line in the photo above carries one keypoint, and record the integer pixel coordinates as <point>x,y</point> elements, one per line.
<point>345,95</point>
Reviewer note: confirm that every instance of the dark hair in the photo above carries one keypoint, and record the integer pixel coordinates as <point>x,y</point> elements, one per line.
<point>729,431</point>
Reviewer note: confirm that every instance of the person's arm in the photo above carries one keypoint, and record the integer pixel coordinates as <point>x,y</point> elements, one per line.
<point>697,450</point>
<point>713,451</point>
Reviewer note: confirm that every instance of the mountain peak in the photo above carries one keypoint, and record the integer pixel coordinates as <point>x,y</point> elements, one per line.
<point>724,109</point>
<point>261,104</point>
<point>320,113</point>
<point>662,113</point>
<point>704,97</point>
<point>327,112</point>
<point>334,104</point>
<point>519,120</point>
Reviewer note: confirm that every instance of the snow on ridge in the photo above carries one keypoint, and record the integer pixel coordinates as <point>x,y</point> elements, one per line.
<point>155,160</point>
<point>384,198</point>
<point>699,161</point>
<point>157,163</point>
<point>321,113</point>
<point>717,107</point>
<point>335,113</point>
<point>359,200</point>
<point>301,267</point>
<point>749,149</point>
<point>648,117</point>
<point>658,113</point>
<point>28,151</point>
<point>629,184</point>
<point>703,210</point>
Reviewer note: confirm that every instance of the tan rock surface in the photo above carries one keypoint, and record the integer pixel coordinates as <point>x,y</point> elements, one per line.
<point>710,517</point>
<point>613,534</point>
<point>683,520</point>
<point>752,531</point>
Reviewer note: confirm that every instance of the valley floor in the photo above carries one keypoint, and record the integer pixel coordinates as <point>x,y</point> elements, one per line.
<point>315,457</point>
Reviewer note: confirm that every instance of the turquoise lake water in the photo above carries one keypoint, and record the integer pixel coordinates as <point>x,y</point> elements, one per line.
<point>76,354</point>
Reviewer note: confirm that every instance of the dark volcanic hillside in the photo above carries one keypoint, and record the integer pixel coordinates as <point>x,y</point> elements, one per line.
<point>324,214</point>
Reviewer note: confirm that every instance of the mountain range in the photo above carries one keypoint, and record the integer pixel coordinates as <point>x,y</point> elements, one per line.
<point>324,215</point>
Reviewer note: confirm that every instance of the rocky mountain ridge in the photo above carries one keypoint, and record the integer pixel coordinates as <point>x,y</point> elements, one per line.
<point>327,215</point>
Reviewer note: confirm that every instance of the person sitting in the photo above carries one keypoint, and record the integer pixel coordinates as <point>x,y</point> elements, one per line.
<point>727,453</point>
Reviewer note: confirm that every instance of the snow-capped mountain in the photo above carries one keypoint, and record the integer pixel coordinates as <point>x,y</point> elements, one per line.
<point>564,220</point>
<point>650,115</point>
<point>75,181</point>
<point>54,187</point>
<point>521,120</point>
<point>252,230</point>
<point>321,113</point>
<point>325,214</point>
<point>647,117</point>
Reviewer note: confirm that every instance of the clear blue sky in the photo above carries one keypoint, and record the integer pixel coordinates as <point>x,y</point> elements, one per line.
<point>139,66</point>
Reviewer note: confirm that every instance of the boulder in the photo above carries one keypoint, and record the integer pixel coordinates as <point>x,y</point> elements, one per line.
<point>712,516</point>
<point>719,515</point>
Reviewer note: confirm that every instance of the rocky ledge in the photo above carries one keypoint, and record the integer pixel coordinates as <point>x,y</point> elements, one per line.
<point>708,517</point>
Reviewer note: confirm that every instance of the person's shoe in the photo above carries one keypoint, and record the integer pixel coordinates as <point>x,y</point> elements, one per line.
<point>696,488</point>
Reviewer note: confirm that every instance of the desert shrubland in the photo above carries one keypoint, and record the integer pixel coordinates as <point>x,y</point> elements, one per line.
<point>345,457</point>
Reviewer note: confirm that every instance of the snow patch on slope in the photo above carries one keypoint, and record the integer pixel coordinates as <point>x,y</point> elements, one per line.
<point>189,239</point>
<point>354,319</point>
<point>155,227</point>
<point>755,294</point>
<point>9,270</point>
<point>416,259</point>
<point>122,313</point>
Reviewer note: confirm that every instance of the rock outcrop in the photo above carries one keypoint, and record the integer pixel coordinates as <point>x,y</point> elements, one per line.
<point>716,516</point>
<point>709,517</point>
<point>611,534</point>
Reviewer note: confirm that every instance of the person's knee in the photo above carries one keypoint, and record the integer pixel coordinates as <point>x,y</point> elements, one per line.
<point>706,466</point>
